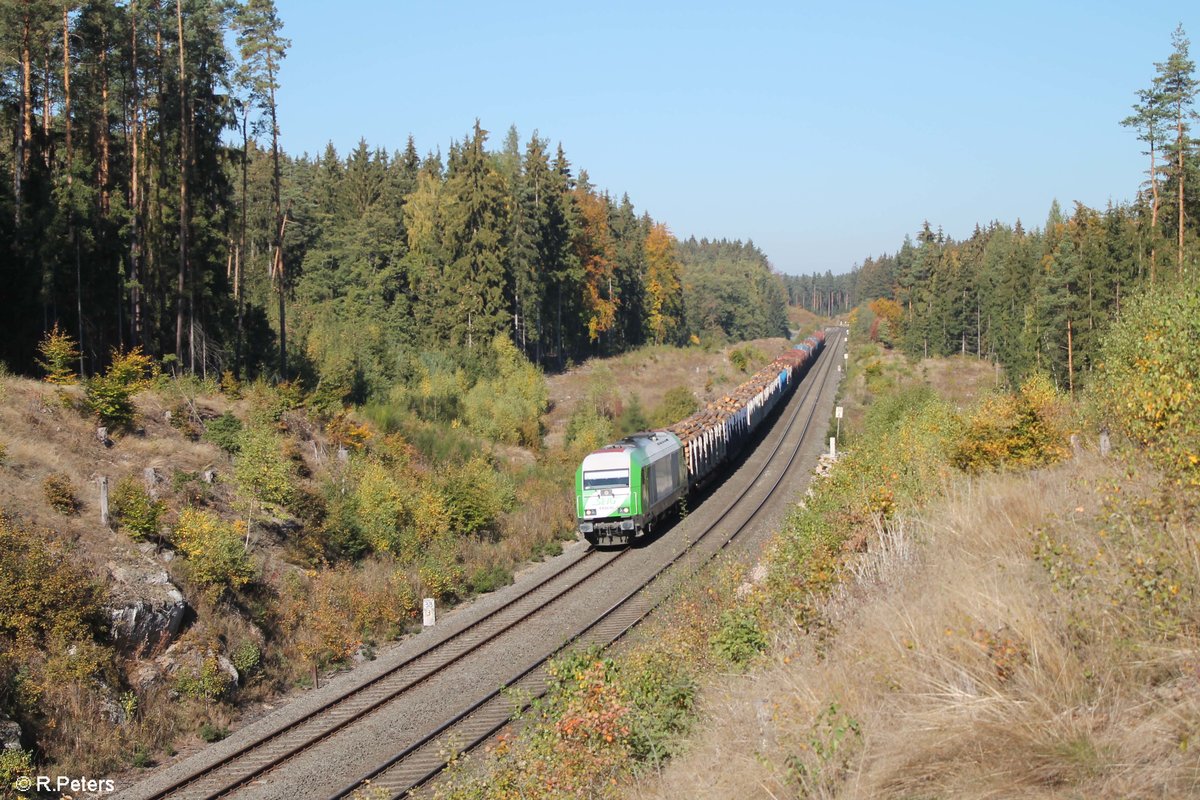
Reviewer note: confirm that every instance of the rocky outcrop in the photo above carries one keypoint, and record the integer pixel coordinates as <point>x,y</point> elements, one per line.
<point>10,734</point>
<point>146,610</point>
<point>182,663</point>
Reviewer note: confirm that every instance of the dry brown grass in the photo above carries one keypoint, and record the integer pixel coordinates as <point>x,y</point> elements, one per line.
<point>804,321</point>
<point>960,380</point>
<point>960,668</point>
<point>649,373</point>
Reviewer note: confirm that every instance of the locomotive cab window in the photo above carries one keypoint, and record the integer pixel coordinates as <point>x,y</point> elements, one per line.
<point>606,479</point>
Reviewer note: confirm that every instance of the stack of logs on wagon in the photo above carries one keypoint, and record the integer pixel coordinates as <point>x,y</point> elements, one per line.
<point>717,431</point>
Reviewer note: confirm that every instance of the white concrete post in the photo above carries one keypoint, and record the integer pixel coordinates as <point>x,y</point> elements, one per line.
<point>427,606</point>
<point>832,447</point>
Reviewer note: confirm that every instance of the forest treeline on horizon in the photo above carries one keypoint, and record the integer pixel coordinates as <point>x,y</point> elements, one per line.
<point>148,204</point>
<point>1040,300</point>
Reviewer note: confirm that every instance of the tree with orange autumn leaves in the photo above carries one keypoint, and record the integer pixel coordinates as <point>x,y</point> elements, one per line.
<point>596,250</point>
<point>664,287</point>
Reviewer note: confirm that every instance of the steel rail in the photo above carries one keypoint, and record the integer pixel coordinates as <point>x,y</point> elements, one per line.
<point>359,690</point>
<point>491,713</point>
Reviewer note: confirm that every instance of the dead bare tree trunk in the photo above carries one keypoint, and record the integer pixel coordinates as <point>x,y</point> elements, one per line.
<point>1182,146</point>
<point>105,145</point>
<point>1153,208</point>
<point>72,234</point>
<point>181,281</point>
<point>281,222</point>
<point>241,248</point>
<point>1070,361</point>
<point>135,200</point>
<point>279,275</point>
<point>46,139</point>
<point>25,129</point>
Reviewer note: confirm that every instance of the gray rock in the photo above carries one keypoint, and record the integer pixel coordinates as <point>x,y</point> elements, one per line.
<point>152,480</point>
<point>10,734</point>
<point>181,660</point>
<point>146,611</point>
<point>229,669</point>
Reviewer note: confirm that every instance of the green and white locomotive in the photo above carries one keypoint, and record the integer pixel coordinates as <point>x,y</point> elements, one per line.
<point>621,490</point>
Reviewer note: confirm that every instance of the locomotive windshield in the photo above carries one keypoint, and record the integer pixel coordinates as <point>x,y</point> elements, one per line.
<point>606,479</point>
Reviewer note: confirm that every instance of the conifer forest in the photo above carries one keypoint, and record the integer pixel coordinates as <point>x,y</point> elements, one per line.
<point>148,204</point>
<point>1038,298</point>
<point>328,387</point>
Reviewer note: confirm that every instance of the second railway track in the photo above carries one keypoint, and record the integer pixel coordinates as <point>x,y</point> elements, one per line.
<point>424,759</point>
<point>252,761</point>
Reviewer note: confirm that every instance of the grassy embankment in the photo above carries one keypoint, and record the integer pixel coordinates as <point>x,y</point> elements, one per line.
<point>965,606</point>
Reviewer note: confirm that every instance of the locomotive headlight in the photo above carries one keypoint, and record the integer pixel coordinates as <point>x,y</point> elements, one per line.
<point>625,510</point>
<point>591,512</point>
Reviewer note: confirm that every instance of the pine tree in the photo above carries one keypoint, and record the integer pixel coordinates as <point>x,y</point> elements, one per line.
<point>263,50</point>
<point>475,225</point>
<point>1176,88</point>
<point>1149,118</point>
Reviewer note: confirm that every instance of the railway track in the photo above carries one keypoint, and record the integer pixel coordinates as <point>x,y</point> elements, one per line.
<point>424,759</point>
<point>253,761</point>
<point>270,750</point>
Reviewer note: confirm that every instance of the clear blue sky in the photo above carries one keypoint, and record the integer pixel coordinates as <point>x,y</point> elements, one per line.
<point>823,133</point>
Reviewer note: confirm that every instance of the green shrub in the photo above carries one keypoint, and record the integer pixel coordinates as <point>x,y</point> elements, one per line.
<point>435,391</point>
<point>588,429</point>
<point>262,471</point>
<point>548,549</point>
<point>110,396</point>
<point>380,511</point>
<point>476,495</point>
<point>60,357</point>
<point>141,758</point>
<point>214,549</point>
<point>678,403</point>
<point>442,578</point>
<point>208,684</point>
<point>212,733</point>
<point>509,407</point>
<point>746,358</point>
<point>662,694</point>
<point>134,509</point>
<point>231,387</point>
<point>15,764</point>
<point>60,493</point>
<point>269,403</point>
<point>45,597</point>
<point>632,418</point>
<point>1026,428</point>
<point>1148,382</point>
<point>246,657</point>
<point>225,432</point>
<point>489,579</point>
<point>739,637</point>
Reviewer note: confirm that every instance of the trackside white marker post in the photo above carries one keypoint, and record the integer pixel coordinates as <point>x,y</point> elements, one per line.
<point>832,447</point>
<point>838,413</point>
<point>427,606</point>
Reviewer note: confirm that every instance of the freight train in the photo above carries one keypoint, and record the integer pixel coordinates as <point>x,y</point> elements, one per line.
<point>623,489</point>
